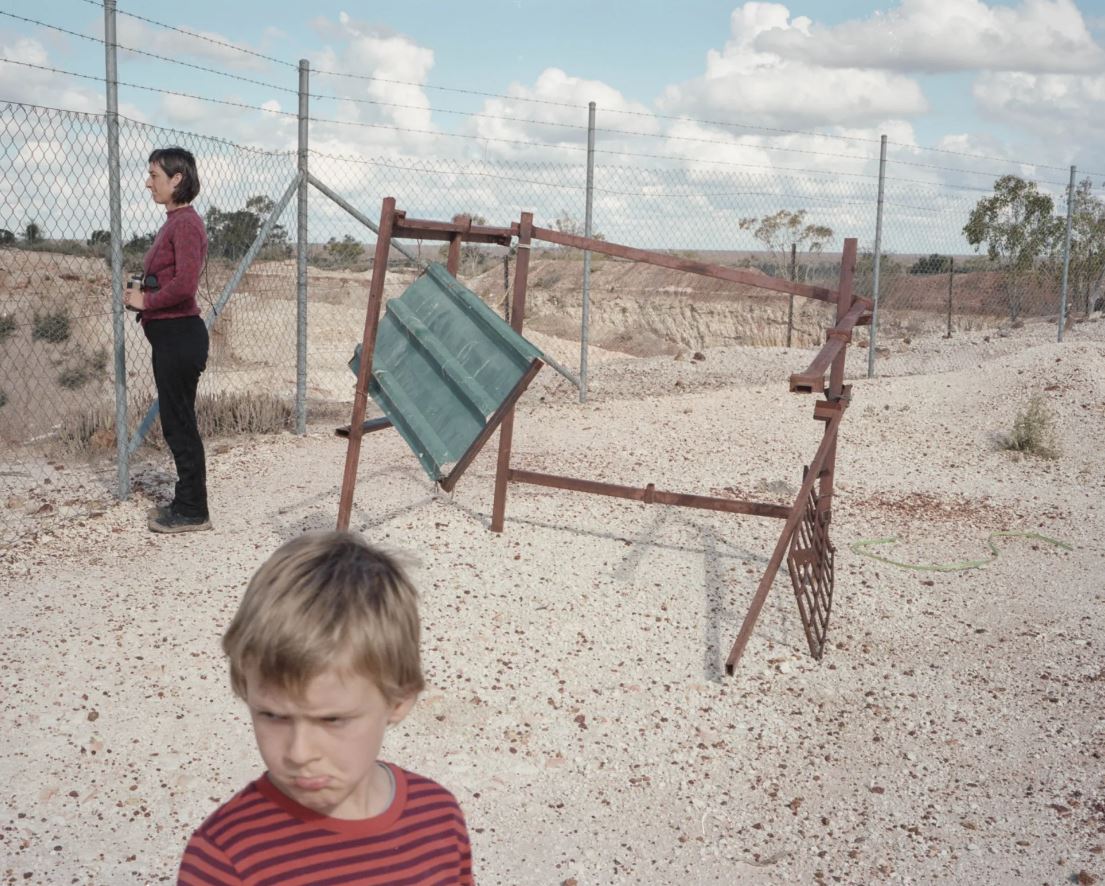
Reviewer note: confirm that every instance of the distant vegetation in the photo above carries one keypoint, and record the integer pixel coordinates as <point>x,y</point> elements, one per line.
<point>932,264</point>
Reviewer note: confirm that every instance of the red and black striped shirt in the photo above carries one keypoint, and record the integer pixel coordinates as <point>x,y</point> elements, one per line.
<point>262,838</point>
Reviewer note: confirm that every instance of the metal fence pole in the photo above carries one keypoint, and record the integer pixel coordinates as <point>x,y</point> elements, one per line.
<point>878,260</point>
<point>585,323</point>
<point>790,298</point>
<point>118,324</point>
<point>951,287</point>
<point>301,257</point>
<point>1066,256</point>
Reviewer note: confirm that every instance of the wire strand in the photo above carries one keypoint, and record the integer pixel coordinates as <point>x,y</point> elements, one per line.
<point>185,31</point>
<point>551,103</point>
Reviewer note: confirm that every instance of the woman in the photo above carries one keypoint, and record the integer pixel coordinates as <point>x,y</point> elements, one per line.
<point>177,335</point>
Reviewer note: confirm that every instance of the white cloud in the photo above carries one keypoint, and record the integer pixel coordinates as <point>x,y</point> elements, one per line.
<point>1062,111</point>
<point>20,83</point>
<point>744,82</point>
<point>553,112</point>
<point>385,93</point>
<point>174,44</point>
<point>948,35</point>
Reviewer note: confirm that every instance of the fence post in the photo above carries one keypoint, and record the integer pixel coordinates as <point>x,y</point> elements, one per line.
<point>1066,256</point>
<point>585,323</point>
<point>878,261</point>
<point>790,298</point>
<point>951,284</point>
<point>118,321</point>
<point>301,257</point>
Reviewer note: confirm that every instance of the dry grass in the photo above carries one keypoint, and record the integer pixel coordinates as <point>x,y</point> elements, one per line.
<point>1033,430</point>
<point>227,414</point>
<point>219,415</point>
<point>93,428</point>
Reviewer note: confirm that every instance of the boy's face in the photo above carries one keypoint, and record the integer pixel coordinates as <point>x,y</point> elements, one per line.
<point>320,748</point>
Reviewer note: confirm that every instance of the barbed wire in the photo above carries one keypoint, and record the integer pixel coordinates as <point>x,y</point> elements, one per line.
<point>505,117</point>
<point>399,106</point>
<point>573,106</point>
<point>188,33</point>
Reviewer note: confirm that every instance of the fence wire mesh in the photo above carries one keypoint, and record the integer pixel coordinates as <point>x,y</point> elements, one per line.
<point>942,304</point>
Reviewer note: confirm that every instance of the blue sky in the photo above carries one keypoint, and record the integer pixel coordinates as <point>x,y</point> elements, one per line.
<point>640,51</point>
<point>764,86</point>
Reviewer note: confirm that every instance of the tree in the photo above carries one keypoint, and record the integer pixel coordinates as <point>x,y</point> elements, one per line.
<point>931,264</point>
<point>1017,226</point>
<point>6,237</point>
<point>99,238</point>
<point>230,234</point>
<point>1087,244</point>
<point>344,252</point>
<point>32,233</point>
<point>864,280</point>
<point>784,229</point>
<point>470,253</point>
<point>140,242</point>
<point>568,224</point>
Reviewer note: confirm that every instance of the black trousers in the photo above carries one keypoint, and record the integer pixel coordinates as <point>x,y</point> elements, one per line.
<point>179,347</point>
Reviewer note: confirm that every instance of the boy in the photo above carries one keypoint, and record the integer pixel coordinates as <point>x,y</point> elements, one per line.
<point>324,651</point>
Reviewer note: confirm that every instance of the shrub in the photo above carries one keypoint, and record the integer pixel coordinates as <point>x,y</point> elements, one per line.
<point>1033,430</point>
<point>83,368</point>
<point>7,326</point>
<point>73,377</point>
<point>3,399</point>
<point>53,326</point>
<point>931,264</point>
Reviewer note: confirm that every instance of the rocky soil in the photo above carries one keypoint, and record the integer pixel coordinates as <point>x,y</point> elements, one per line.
<point>577,704</point>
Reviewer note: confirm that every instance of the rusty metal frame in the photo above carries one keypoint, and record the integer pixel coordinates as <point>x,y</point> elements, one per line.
<point>806,522</point>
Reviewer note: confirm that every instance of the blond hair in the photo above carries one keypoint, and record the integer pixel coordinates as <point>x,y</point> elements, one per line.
<point>323,600</point>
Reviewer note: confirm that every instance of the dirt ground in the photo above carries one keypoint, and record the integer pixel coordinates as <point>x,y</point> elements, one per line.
<point>576,703</point>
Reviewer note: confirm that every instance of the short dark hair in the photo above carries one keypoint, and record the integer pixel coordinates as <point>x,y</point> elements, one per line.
<point>174,160</point>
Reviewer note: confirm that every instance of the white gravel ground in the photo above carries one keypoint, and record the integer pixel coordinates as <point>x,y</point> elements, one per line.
<point>953,733</point>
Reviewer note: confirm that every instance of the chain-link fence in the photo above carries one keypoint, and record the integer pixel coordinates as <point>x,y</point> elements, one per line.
<point>56,341</point>
<point>56,338</point>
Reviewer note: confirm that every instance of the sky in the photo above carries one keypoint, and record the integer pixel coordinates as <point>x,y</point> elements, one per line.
<point>804,84</point>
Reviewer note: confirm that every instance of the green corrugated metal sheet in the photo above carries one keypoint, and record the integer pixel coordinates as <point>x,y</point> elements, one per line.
<point>444,363</point>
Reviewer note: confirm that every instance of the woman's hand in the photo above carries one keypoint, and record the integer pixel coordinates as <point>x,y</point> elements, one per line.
<point>134,298</point>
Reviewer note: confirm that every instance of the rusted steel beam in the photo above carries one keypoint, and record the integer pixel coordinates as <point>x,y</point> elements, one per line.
<point>492,423</point>
<point>843,309</point>
<point>452,265</point>
<point>734,275</point>
<point>651,495</point>
<point>826,410</point>
<point>368,426</point>
<point>796,511</point>
<point>812,380</point>
<point>517,316</point>
<point>405,233</point>
<point>428,229</point>
<point>368,346</point>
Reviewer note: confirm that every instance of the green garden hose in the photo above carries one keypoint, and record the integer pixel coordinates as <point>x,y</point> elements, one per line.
<point>860,547</point>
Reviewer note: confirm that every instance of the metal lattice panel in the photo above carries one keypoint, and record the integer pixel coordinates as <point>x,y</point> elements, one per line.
<point>810,563</point>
